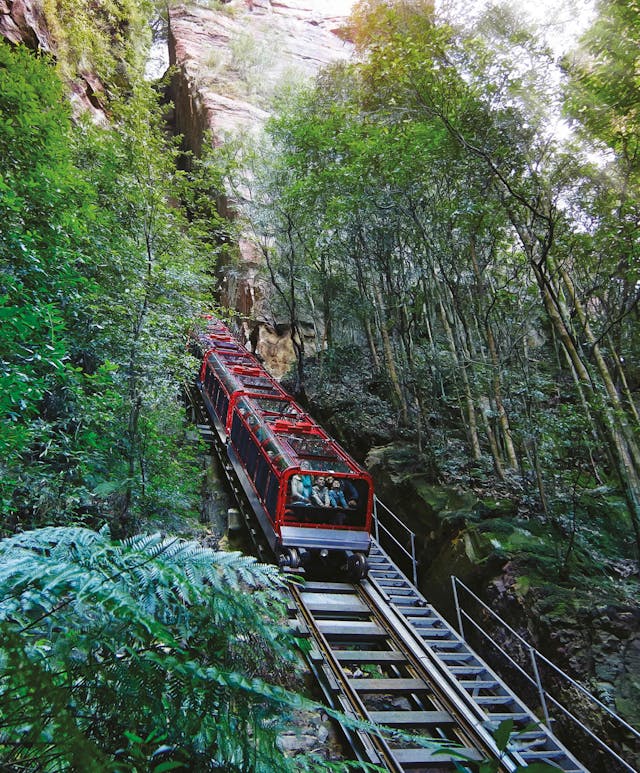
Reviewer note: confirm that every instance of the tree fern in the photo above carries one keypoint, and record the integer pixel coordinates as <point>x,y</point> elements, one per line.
<point>144,637</point>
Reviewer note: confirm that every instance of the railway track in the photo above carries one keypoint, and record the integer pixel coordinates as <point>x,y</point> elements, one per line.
<point>382,654</point>
<point>368,673</point>
<point>374,663</point>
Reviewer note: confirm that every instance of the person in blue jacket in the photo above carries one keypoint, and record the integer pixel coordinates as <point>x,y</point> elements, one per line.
<point>336,494</point>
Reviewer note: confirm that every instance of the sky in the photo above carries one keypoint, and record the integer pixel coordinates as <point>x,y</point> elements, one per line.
<point>563,20</point>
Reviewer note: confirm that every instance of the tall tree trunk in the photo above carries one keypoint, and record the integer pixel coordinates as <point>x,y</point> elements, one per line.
<point>469,416</point>
<point>372,345</point>
<point>626,468</point>
<point>625,384</point>
<point>327,300</point>
<point>389,359</point>
<point>603,370</point>
<point>496,379</point>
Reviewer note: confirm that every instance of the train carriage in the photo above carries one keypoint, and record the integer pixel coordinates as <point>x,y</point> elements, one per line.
<point>312,500</point>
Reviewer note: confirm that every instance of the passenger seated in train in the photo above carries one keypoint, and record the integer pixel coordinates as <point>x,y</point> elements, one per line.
<point>336,495</point>
<point>350,493</point>
<point>301,489</point>
<point>320,493</point>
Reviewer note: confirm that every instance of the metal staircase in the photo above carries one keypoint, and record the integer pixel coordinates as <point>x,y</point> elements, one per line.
<point>482,691</point>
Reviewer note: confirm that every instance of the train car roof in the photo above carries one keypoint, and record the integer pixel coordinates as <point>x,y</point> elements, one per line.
<point>297,436</point>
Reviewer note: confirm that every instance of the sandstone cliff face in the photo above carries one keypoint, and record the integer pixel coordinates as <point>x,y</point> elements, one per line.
<point>229,60</point>
<point>229,63</point>
<point>25,22</point>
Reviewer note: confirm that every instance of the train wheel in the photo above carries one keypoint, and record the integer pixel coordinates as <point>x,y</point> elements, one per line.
<point>289,558</point>
<point>357,567</point>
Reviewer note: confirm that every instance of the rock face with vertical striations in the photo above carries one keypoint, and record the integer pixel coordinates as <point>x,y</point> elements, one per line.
<point>229,63</point>
<point>230,60</point>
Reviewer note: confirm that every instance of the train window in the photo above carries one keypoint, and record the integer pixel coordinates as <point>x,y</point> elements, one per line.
<point>260,385</point>
<point>226,378</point>
<point>356,492</point>
<point>275,453</point>
<point>279,407</point>
<point>254,380</point>
<point>262,471</point>
<point>240,436</point>
<point>336,500</point>
<point>251,457</point>
<point>227,345</point>
<point>271,495</point>
<point>222,403</point>
<point>308,446</point>
<point>270,448</point>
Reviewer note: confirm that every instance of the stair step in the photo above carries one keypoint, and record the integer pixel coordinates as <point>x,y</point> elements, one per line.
<point>467,670</point>
<point>435,756</point>
<point>493,700</point>
<point>369,656</point>
<point>351,629</point>
<point>439,634</point>
<point>478,684</point>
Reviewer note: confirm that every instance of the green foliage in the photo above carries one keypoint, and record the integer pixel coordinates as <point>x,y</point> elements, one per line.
<point>154,640</point>
<point>347,397</point>
<point>602,90</point>
<point>420,204</point>
<point>153,653</point>
<point>41,211</point>
<point>506,737</point>
<point>100,276</point>
<point>108,39</point>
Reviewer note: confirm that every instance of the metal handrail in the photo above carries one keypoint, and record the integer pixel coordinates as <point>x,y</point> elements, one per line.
<point>508,657</point>
<point>534,654</point>
<point>411,555</point>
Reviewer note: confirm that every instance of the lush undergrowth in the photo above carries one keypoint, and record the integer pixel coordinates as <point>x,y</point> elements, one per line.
<point>141,653</point>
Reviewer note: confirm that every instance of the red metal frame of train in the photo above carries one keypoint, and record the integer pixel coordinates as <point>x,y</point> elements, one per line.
<point>280,454</point>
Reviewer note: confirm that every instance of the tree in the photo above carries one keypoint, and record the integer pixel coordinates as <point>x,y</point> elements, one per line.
<point>41,209</point>
<point>473,249</point>
<point>430,73</point>
<point>102,275</point>
<point>151,287</point>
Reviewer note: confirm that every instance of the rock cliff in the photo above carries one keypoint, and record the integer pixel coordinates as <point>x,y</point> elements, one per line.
<point>25,22</point>
<point>230,60</point>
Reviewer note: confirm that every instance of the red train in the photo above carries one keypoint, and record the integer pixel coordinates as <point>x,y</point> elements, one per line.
<point>312,500</point>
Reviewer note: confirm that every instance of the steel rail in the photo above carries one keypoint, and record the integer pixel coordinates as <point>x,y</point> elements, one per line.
<point>421,704</point>
<point>426,666</point>
<point>369,746</point>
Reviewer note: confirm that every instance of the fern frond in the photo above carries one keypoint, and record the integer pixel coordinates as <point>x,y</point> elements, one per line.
<point>150,634</point>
